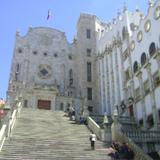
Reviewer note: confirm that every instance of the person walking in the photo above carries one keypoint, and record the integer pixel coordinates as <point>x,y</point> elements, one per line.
<point>92,140</point>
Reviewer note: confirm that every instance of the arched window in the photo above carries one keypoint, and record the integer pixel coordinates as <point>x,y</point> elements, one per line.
<point>70,77</point>
<point>152,49</point>
<point>135,67</point>
<point>143,58</point>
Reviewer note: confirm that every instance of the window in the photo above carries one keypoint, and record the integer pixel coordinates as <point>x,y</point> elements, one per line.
<point>89,72</point>
<point>70,57</point>
<point>147,25</point>
<point>150,121</point>
<point>152,49</point>
<point>157,13</point>
<point>88,33</point>
<point>55,55</point>
<point>88,52</point>
<point>70,77</point>
<point>89,93</point>
<point>143,58</point>
<point>17,67</point>
<point>124,33</point>
<point>45,54</point>
<point>17,71</point>
<point>90,108</point>
<point>35,52</point>
<point>135,67</point>
<point>19,50</point>
<point>141,122</point>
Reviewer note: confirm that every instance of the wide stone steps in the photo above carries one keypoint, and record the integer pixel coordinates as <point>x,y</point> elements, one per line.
<point>47,135</point>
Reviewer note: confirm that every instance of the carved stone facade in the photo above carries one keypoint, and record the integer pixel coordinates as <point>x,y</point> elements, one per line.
<point>101,65</point>
<point>130,44</point>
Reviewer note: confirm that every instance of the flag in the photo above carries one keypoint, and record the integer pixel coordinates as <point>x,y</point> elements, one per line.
<point>49,15</point>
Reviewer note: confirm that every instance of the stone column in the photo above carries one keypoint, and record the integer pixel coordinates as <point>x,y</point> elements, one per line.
<point>112,79</point>
<point>139,75</point>
<point>65,105</point>
<point>104,84</point>
<point>108,104</point>
<point>158,61</point>
<point>34,102</point>
<point>53,103</point>
<point>131,75</point>
<point>117,75</point>
<point>101,86</point>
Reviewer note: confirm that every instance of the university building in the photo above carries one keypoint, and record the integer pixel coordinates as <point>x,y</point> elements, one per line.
<point>110,67</point>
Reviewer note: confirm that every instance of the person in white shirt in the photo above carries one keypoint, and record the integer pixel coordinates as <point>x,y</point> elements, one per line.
<point>92,140</point>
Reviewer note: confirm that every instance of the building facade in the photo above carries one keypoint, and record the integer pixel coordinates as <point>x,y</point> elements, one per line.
<point>108,66</point>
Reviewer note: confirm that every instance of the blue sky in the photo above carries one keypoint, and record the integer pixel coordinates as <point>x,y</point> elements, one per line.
<point>20,14</point>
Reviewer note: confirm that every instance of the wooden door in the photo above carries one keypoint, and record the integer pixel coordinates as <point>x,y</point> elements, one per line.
<point>131,112</point>
<point>44,104</point>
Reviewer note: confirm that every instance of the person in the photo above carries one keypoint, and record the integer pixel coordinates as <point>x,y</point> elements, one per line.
<point>92,140</point>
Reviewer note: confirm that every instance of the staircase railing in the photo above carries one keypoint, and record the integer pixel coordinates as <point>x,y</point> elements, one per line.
<point>139,154</point>
<point>93,126</point>
<point>143,136</point>
<point>8,126</point>
<point>117,135</point>
<point>2,135</point>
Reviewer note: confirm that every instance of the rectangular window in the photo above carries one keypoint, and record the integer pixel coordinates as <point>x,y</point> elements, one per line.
<point>90,108</point>
<point>88,52</point>
<point>89,71</point>
<point>88,33</point>
<point>89,93</point>
<point>17,67</point>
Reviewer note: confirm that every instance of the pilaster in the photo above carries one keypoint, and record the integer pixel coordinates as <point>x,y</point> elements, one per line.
<point>139,75</point>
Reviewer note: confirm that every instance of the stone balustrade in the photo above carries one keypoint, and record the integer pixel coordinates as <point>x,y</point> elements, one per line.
<point>8,124</point>
<point>93,126</point>
<point>139,154</point>
<point>143,136</point>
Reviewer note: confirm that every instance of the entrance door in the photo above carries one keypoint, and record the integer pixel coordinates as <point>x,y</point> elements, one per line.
<point>131,112</point>
<point>44,104</point>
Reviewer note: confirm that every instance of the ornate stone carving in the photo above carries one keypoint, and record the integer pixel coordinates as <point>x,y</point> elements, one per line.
<point>44,71</point>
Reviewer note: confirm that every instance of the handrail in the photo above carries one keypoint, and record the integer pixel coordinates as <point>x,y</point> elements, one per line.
<point>93,126</point>
<point>2,135</point>
<point>6,129</point>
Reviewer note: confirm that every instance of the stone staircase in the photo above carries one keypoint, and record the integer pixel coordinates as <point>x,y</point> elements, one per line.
<point>46,135</point>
